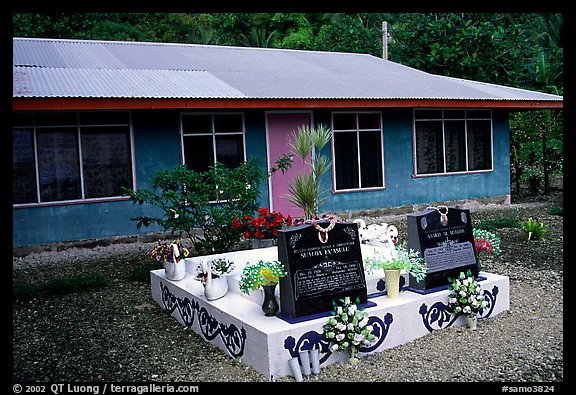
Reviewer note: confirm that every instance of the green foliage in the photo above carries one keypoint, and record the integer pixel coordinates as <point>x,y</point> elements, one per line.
<point>60,286</point>
<point>556,211</point>
<point>141,273</point>
<point>262,273</point>
<point>399,259</point>
<point>534,230</point>
<point>205,201</point>
<point>537,147</point>
<point>493,224</point>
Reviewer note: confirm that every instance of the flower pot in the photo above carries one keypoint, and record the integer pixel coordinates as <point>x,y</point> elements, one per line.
<point>270,305</point>
<point>392,278</point>
<point>471,321</point>
<point>262,243</point>
<point>216,287</point>
<point>175,270</point>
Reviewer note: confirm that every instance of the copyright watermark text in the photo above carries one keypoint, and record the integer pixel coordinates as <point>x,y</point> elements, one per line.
<point>101,389</point>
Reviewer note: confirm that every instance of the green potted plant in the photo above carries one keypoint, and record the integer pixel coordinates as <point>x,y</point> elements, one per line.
<point>393,262</point>
<point>466,297</point>
<point>266,275</point>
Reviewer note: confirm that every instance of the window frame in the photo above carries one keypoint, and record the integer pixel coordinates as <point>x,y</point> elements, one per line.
<point>212,132</point>
<point>357,131</point>
<point>442,118</point>
<point>34,127</point>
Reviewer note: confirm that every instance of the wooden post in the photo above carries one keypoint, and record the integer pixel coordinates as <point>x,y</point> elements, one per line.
<point>385,40</point>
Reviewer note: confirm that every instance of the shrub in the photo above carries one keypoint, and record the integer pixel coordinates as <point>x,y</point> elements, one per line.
<point>534,230</point>
<point>205,201</point>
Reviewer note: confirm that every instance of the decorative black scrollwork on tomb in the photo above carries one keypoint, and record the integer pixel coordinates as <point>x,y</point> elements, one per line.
<point>438,316</point>
<point>312,339</point>
<point>234,339</point>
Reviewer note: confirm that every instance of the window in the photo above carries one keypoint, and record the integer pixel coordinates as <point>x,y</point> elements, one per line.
<point>211,138</point>
<point>452,141</point>
<point>357,151</point>
<point>62,156</point>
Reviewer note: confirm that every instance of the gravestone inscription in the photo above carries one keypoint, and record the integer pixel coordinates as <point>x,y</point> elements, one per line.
<point>323,262</point>
<point>443,236</point>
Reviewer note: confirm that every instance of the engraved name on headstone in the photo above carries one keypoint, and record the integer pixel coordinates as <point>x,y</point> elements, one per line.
<point>321,267</point>
<point>444,237</point>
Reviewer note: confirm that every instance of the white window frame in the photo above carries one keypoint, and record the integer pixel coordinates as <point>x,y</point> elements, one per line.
<point>78,127</point>
<point>442,118</point>
<point>357,130</point>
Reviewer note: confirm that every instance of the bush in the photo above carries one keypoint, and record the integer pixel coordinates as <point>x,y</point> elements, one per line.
<point>205,201</point>
<point>534,230</point>
<point>493,224</point>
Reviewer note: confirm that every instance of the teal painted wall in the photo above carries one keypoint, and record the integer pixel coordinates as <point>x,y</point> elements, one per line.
<point>401,188</point>
<point>157,146</point>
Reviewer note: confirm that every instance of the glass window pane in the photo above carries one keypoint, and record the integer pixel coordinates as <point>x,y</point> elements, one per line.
<point>453,114</point>
<point>23,167</point>
<point>198,153</point>
<point>228,123</point>
<point>454,136</point>
<point>229,150</point>
<point>371,159</point>
<point>346,160</point>
<point>20,118</point>
<point>56,118</point>
<point>479,145</point>
<point>192,123</point>
<point>106,161</point>
<point>344,121</point>
<point>58,166</point>
<point>428,114</point>
<point>478,114</point>
<point>429,147</point>
<point>104,118</point>
<point>369,121</point>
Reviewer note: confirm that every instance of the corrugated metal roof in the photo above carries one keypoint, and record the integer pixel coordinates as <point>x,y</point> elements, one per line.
<point>112,69</point>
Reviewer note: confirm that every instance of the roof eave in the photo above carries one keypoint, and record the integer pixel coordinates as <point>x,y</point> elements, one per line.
<point>67,103</point>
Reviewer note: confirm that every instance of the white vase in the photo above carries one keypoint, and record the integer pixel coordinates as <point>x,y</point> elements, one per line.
<point>471,321</point>
<point>175,271</point>
<point>216,287</point>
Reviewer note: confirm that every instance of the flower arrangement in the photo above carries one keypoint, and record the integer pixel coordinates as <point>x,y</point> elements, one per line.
<point>162,252</point>
<point>348,328</point>
<point>466,295</point>
<point>218,266</point>
<point>261,274</point>
<point>265,226</point>
<point>486,241</point>
<point>398,259</point>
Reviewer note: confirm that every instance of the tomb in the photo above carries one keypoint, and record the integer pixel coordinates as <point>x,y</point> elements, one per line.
<point>443,237</point>
<point>236,324</point>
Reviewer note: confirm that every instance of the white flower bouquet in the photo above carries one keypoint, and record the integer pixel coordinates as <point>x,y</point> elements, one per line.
<point>466,295</point>
<point>348,329</point>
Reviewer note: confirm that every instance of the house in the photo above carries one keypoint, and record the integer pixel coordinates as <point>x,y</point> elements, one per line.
<point>90,117</point>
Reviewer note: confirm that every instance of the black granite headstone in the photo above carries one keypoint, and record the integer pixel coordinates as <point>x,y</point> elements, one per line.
<point>319,268</point>
<point>444,238</point>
